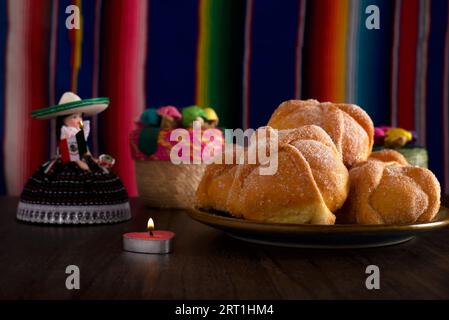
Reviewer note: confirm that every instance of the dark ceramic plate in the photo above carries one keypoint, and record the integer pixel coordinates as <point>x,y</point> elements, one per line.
<point>317,236</point>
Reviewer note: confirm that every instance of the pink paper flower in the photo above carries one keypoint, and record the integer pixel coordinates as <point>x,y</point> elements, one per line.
<point>379,133</point>
<point>169,111</point>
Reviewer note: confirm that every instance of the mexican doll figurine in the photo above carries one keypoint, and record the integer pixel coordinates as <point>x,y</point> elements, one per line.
<point>74,187</point>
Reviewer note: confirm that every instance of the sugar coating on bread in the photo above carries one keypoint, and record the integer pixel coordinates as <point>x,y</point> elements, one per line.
<point>349,126</point>
<point>391,193</point>
<point>389,155</point>
<point>310,183</point>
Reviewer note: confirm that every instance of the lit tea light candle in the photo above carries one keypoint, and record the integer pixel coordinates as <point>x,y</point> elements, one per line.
<point>152,241</point>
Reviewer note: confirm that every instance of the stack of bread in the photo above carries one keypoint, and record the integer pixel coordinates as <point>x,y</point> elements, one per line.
<point>327,174</point>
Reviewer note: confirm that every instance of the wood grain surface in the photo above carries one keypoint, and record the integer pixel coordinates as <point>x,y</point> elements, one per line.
<point>206,264</point>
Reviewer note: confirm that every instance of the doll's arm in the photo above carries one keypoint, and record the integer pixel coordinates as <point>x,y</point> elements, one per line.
<point>82,165</point>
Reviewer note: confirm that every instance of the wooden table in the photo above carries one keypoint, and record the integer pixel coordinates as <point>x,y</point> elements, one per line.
<point>206,264</point>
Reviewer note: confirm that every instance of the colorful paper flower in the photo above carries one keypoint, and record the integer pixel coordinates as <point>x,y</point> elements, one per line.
<point>150,118</point>
<point>397,137</point>
<point>192,113</point>
<point>170,116</point>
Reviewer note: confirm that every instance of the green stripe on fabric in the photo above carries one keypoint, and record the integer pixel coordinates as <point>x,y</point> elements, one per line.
<point>224,60</point>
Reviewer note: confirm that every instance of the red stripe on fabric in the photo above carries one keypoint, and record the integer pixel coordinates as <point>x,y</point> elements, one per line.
<point>407,63</point>
<point>124,26</point>
<point>319,61</point>
<point>39,30</point>
<point>53,46</point>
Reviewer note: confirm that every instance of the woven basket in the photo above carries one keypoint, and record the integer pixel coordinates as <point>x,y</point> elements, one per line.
<point>163,184</point>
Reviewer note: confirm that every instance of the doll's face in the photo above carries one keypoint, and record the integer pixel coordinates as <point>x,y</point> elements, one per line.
<point>73,120</point>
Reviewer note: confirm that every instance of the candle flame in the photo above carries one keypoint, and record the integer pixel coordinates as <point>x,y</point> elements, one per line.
<point>81,125</point>
<point>150,226</point>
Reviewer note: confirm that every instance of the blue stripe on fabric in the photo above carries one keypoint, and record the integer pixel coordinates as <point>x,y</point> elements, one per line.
<point>171,52</point>
<point>3,32</point>
<point>63,51</point>
<point>273,57</point>
<point>85,72</point>
<point>87,58</point>
<point>373,65</point>
<point>435,89</point>
<point>64,48</point>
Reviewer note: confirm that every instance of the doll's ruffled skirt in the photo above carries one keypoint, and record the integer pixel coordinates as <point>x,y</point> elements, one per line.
<point>65,194</point>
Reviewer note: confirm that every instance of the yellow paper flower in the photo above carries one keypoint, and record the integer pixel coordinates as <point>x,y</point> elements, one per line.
<point>210,114</point>
<point>397,137</point>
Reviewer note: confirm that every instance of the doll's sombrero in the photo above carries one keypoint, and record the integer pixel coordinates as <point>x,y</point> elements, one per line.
<point>70,103</point>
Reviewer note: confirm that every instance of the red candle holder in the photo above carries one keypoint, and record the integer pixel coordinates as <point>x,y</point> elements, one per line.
<point>153,241</point>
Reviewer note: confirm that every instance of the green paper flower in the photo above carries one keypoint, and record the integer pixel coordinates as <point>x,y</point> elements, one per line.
<point>190,114</point>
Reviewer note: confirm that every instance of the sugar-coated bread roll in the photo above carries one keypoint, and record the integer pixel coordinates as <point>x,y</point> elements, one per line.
<point>311,182</point>
<point>384,191</point>
<point>389,155</point>
<point>348,125</point>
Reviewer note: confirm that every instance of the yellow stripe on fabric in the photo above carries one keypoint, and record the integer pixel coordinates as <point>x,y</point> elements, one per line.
<point>341,27</point>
